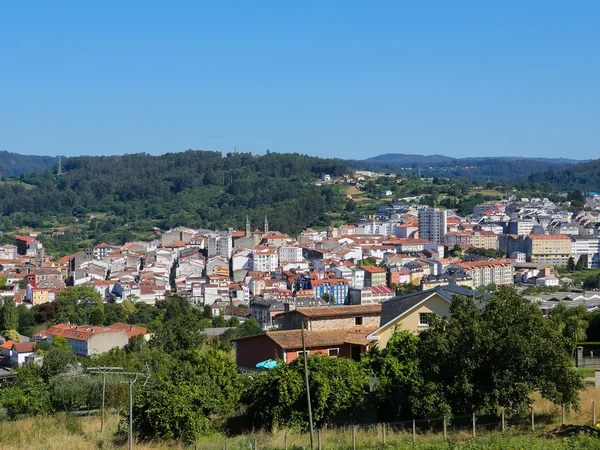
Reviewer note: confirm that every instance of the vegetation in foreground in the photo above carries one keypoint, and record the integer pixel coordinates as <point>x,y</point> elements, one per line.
<point>480,360</point>
<point>67,432</point>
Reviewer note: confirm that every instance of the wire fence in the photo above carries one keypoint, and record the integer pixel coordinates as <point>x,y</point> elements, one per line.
<point>422,430</point>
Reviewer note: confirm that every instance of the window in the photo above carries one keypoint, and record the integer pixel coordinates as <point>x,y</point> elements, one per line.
<point>358,321</point>
<point>424,319</point>
<point>334,352</point>
<point>301,353</point>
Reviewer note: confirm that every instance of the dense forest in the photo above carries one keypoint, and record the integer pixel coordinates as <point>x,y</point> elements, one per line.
<point>583,177</point>
<point>472,169</point>
<point>15,164</point>
<point>192,188</point>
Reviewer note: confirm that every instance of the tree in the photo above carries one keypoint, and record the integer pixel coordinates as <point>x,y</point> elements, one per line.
<point>496,355</point>
<point>234,322</point>
<point>277,398</point>
<point>9,317</point>
<point>571,322</point>
<point>186,403</point>
<point>401,391</point>
<point>60,342</point>
<point>26,320</point>
<point>369,261</point>
<point>219,321</point>
<point>81,305</point>
<point>12,335</point>
<point>571,264</point>
<point>579,266</point>
<point>27,394</point>
<point>74,392</point>
<point>57,361</point>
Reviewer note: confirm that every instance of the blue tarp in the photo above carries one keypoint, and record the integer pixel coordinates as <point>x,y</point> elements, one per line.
<point>268,364</point>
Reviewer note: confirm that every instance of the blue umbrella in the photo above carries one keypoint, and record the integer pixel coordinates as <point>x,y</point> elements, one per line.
<point>268,364</point>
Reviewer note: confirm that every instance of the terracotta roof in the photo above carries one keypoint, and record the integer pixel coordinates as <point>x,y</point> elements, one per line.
<point>292,339</point>
<point>130,330</point>
<point>373,269</point>
<point>321,312</point>
<point>7,345</point>
<point>76,332</point>
<point>549,237</point>
<point>23,347</point>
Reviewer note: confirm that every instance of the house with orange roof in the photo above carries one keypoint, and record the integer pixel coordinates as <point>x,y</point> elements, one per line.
<point>89,340</point>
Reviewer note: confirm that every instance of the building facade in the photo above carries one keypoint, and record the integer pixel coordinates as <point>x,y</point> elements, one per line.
<point>433,223</point>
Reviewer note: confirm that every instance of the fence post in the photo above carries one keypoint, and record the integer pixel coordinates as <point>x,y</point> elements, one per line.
<point>255,445</point>
<point>594,414</point>
<point>383,432</point>
<point>414,431</point>
<point>319,439</point>
<point>285,440</point>
<point>226,446</point>
<point>502,419</point>
<point>353,437</point>
<point>562,418</point>
<point>532,419</point>
<point>444,423</point>
<point>474,425</point>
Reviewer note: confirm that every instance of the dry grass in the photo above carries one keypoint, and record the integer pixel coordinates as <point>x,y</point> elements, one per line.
<point>62,432</point>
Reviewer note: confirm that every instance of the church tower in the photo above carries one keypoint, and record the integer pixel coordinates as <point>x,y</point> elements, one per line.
<point>266,225</point>
<point>247,226</point>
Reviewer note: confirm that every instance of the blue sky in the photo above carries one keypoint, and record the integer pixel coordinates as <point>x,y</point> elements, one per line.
<point>348,79</point>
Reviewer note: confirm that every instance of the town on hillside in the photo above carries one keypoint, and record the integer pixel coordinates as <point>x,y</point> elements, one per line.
<point>350,285</point>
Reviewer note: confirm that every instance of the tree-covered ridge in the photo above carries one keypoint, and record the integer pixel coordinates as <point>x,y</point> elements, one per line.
<point>472,169</point>
<point>15,164</point>
<point>583,177</point>
<point>192,188</point>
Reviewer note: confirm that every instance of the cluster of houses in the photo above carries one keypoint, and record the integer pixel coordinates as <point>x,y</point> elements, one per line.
<point>347,272</point>
<point>353,264</point>
<point>345,331</point>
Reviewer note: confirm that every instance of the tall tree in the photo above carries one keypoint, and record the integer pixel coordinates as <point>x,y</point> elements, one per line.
<point>9,317</point>
<point>496,355</point>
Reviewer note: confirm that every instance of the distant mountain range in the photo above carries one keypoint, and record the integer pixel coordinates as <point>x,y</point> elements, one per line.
<point>584,177</point>
<point>397,158</point>
<point>14,164</point>
<point>500,168</point>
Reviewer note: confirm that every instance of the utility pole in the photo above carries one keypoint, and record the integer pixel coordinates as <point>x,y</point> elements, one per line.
<point>310,421</point>
<point>131,382</point>
<point>103,370</point>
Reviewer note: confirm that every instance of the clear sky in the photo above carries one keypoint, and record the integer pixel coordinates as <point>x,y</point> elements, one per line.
<point>348,79</point>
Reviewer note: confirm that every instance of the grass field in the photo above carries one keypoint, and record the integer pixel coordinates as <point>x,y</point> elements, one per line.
<point>353,190</point>
<point>62,432</point>
<point>587,371</point>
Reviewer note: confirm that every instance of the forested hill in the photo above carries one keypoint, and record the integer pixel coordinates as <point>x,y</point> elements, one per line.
<point>584,177</point>
<point>506,169</point>
<point>192,188</point>
<point>15,164</point>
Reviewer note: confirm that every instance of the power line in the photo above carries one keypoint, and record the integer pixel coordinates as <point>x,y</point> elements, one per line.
<point>119,371</point>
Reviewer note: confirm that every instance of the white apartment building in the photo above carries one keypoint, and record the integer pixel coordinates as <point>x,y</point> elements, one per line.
<point>374,227</point>
<point>433,223</point>
<point>290,254</point>
<point>265,260</point>
<point>586,249</point>
<point>220,244</point>
<point>486,272</point>
<point>358,278</point>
